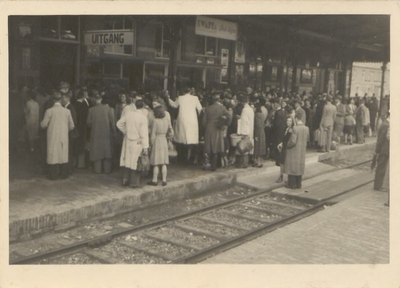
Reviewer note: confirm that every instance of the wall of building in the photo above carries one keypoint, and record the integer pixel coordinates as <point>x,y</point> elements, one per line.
<point>367,77</point>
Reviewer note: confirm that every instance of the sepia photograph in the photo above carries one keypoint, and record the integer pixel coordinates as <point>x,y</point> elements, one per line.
<point>157,140</point>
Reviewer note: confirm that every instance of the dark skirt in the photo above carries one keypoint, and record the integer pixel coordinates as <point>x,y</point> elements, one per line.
<point>349,129</point>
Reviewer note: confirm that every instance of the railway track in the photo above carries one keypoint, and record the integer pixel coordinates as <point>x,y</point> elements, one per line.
<point>194,236</point>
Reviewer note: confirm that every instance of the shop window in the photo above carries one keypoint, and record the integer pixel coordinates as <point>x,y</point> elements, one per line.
<point>163,41</point>
<point>206,45</point>
<point>60,27</point>
<point>25,30</point>
<point>154,76</point>
<point>112,68</point>
<point>95,68</point>
<point>256,50</point>
<point>69,27</point>
<point>26,58</point>
<point>49,26</point>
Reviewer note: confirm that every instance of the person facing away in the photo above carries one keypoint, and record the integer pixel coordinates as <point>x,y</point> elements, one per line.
<point>215,117</point>
<point>327,122</point>
<point>340,114</point>
<point>133,124</point>
<point>73,134</point>
<point>58,122</point>
<point>360,122</point>
<point>32,120</point>
<point>382,151</point>
<point>101,121</point>
<point>82,109</point>
<point>246,129</point>
<point>186,126</point>
<point>159,157</point>
<point>295,159</point>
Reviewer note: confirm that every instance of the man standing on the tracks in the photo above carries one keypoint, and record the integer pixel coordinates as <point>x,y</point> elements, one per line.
<point>382,152</point>
<point>327,122</point>
<point>58,121</point>
<point>295,160</point>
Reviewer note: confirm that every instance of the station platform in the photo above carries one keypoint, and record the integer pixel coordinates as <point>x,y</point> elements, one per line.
<point>359,236</point>
<point>38,205</point>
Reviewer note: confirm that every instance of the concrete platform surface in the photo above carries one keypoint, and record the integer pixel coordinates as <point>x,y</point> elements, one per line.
<point>355,231</point>
<point>37,204</point>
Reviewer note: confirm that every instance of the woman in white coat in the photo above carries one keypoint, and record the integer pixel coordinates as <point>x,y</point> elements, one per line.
<point>186,127</point>
<point>246,129</point>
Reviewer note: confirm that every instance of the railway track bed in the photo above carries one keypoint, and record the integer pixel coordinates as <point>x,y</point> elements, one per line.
<point>186,238</point>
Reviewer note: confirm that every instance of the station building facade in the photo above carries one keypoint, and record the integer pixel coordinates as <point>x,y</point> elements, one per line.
<point>367,79</point>
<point>147,52</point>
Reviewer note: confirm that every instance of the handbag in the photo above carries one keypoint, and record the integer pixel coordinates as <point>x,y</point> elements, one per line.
<point>170,134</point>
<point>244,145</point>
<point>221,122</point>
<point>143,165</point>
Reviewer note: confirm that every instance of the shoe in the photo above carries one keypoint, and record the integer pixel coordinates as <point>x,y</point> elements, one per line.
<point>164,183</point>
<point>280,179</point>
<point>152,183</point>
<point>259,166</point>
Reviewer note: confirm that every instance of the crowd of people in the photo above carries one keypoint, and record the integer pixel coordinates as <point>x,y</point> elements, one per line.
<point>109,128</point>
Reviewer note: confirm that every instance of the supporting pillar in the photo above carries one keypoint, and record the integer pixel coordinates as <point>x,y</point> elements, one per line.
<point>175,30</point>
<point>282,74</point>
<point>382,87</point>
<point>294,75</point>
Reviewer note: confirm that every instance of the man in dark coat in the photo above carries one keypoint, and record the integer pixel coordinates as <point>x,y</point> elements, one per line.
<point>278,129</point>
<point>295,159</point>
<point>82,108</point>
<point>215,117</point>
<point>103,129</point>
<point>382,153</point>
<point>73,134</point>
<point>373,111</point>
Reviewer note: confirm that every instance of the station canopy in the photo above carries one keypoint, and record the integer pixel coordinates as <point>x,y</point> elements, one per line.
<point>366,36</point>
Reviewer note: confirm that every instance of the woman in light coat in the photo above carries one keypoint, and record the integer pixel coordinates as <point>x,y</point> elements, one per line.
<point>186,126</point>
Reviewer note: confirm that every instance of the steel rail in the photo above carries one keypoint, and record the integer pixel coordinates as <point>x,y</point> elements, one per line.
<point>241,239</point>
<point>104,239</point>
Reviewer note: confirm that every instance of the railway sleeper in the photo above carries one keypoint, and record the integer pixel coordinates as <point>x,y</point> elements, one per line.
<point>200,231</point>
<point>221,222</point>
<point>172,241</point>
<point>148,251</point>
<point>247,217</point>
<point>102,257</point>
<point>281,204</point>
<point>259,209</point>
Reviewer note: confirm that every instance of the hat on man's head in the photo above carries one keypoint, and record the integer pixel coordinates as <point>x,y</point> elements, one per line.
<point>328,98</point>
<point>64,85</point>
<point>97,95</point>
<point>56,95</point>
<point>216,96</point>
